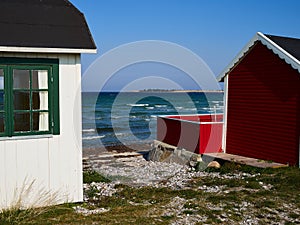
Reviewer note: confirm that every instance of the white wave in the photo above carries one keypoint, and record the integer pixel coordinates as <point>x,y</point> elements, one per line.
<point>179,107</point>
<point>93,137</point>
<point>137,105</point>
<point>160,106</point>
<point>149,107</point>
<point>88,130</point>
<point>119,117</point>
<point>120,134</point>
<point>190,109</point>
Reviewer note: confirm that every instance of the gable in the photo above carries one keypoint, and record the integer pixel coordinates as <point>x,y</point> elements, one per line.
<point>277,48</point>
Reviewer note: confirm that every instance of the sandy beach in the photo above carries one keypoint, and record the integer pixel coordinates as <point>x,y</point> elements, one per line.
<point>87,152</point>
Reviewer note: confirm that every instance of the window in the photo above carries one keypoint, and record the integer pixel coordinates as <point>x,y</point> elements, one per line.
<point>28,97</point>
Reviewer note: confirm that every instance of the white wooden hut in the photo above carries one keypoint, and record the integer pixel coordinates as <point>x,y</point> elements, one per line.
<point>40,101</point>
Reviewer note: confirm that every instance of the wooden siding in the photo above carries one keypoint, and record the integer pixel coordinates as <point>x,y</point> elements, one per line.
<point>178,133</point>
<point>263,108</point>
<point>52,162</point>
<point>196,133</point>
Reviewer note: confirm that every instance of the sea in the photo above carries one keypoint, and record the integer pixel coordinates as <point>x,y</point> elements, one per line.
<point>125,118</point>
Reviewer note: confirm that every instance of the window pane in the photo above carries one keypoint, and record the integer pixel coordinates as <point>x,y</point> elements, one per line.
<point>40,100</point>
<point>1,100</point>
<point>1,79</point>
<point>21,100</point>
<point>21,79</point>
<point>40,121</point>
<point>40,79</point>
<point>22,122</point>
<point>1,122</point>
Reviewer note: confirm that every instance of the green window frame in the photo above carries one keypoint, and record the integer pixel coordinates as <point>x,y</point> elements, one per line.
<point>29,97</point>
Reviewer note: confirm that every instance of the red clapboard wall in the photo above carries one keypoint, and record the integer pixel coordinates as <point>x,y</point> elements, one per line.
<point>264,108</point>
<point>197,133</point>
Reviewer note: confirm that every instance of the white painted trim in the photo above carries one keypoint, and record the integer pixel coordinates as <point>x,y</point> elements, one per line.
<point>211,122</point>
<point>225,114</point>
<point>206,114</point>
<point>270,45</point>
<point>295,63</point>
<point>45,50</point>
<point>26,137</point>
<point>240,55</point>
<point>189,121</point>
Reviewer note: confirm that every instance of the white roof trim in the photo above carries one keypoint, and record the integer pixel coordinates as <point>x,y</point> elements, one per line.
<point>295,63</point>
<point>46,50</point>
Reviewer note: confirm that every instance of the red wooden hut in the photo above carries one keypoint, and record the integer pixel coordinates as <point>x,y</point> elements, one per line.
<point>201,133</point>
<point>262,100</point>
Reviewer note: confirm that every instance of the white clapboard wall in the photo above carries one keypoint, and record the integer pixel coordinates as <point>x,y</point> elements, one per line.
<point>52,163</point>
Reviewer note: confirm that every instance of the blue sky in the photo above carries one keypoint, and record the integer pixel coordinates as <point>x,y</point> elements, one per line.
<point>215,30</point>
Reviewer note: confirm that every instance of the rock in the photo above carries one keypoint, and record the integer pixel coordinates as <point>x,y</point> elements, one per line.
<point>214,164</point>
<point>163,152</point>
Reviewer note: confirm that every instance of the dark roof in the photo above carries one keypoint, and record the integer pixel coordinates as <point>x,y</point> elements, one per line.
<point>43,23</point>
<point>291,45</point>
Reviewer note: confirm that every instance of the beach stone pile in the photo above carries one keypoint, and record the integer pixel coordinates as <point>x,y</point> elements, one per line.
<point>162,152</point>
<point>135,170</point>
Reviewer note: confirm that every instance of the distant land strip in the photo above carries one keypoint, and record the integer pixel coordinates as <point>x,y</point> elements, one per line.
<point>178,91</point>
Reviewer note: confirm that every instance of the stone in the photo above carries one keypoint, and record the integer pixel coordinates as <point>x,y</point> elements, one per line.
<point>162,152</point>
<point>214,164</point>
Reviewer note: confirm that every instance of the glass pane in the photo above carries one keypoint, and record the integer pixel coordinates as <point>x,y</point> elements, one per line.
<point>1,122</point>
<point>21,79</point>
<point>40,100</point>
<point>40,121</point>
<point>1,100</point>
<point>22,122</point>
<point>21,100</point>
<point>1,79</point>
<point>40,79</point>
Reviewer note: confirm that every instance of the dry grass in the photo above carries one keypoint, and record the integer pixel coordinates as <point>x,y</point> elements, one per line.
<point>29,203</point>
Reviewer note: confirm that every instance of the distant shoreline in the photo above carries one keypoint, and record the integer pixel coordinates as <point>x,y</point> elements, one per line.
<point>161,91</point>
<point>181,91</point>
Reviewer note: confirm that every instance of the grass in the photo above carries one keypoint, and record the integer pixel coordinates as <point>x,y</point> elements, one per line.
<point>240,199</point>
<point>92,176</point>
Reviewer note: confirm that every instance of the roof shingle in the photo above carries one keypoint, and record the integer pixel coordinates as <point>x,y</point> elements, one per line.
<point>43,23</point>
<point>291,45</point>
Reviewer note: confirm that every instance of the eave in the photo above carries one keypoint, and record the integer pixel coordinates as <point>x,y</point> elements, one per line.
<point>46,50</point>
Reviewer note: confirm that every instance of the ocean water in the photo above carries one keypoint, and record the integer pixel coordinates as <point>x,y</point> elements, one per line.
<point>112,118</point>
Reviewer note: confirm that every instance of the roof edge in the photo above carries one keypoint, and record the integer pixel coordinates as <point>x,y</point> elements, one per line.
<point>46,50</point>
<point>85,22</point>
<point>282,53</point>
<point>239,56</point>
<point>270,45</point>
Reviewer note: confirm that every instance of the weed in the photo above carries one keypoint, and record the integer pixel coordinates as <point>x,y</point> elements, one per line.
<point>189,212</point>
<point>93,176</point>
<point>92,192</point>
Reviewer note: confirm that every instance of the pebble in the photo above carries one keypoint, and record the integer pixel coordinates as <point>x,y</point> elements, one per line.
<point>87,212</point>
<point>138,172</point>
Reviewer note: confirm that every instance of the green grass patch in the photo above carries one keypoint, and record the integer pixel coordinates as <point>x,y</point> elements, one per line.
<point>93,176</point>
<point>147,205</point>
